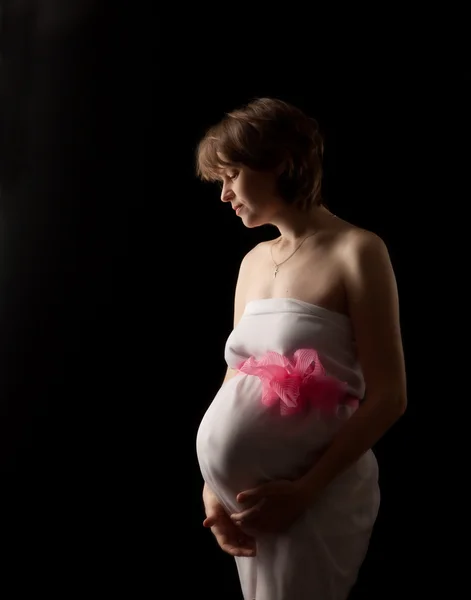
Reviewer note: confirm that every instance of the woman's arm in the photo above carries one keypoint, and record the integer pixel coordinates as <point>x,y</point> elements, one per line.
<point>371,292</point>
<point>239,298</point>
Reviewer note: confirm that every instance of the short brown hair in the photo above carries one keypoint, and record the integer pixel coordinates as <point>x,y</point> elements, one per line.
<point>264,135</point>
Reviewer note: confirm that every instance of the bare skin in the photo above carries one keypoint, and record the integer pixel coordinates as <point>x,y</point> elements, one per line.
<point>313,273</point>
<point>228,535</point>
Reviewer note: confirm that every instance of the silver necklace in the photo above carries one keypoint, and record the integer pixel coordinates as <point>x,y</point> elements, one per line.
<point>277,265</point>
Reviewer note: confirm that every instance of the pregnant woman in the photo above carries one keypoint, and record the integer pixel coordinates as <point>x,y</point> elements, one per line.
<point>315,374</point>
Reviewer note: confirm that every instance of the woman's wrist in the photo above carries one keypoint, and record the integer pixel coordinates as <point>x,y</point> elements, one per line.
<point>306,490</point>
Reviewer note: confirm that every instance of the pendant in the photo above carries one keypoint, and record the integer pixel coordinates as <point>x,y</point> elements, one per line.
<point>275,272</point>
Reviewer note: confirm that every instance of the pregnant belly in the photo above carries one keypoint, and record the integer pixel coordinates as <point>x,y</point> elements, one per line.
<point>242,443</point>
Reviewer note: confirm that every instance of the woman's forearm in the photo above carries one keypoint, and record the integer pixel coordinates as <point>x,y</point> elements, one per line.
<point>365,427</point>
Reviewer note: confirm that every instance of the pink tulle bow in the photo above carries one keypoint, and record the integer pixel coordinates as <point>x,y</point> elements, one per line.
<point>295,382</point>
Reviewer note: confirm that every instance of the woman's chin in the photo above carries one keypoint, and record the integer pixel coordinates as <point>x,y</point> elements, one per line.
<point>251,221</point>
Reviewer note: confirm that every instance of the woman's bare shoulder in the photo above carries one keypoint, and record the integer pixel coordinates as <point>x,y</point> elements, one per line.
<point>249,260</point>
<point>365,261</point>
<point>353,238</point>
<point>256,252</point>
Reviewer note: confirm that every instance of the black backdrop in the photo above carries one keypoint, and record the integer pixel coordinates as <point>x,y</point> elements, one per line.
<point>118,273</point>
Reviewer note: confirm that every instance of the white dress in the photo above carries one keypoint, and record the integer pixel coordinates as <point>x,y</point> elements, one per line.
<point>242,442</point>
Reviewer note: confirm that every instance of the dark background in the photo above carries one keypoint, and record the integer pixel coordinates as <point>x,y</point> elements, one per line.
<point>117,281</point>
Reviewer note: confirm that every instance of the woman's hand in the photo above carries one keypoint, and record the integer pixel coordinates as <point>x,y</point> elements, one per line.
<point>229,537</point>
<point>272,507</point>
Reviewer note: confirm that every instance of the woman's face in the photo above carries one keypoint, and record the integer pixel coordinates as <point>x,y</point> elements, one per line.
<point>252,193</point>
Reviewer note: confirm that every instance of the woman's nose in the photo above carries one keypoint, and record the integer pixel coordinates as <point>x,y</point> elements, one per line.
<point>226,194</point>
